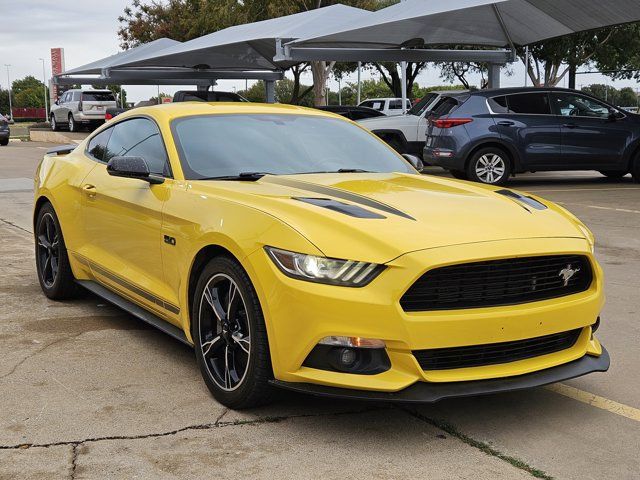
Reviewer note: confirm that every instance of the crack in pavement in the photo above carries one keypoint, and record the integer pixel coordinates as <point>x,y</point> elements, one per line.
<point>37,352</point>
<point>202,426</point>
<point>14,225</point>
<point>482,446</point>
<point>74,461</point>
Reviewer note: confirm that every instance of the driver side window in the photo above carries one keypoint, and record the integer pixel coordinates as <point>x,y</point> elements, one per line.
<point>574,105</point>
<point>139,137</point>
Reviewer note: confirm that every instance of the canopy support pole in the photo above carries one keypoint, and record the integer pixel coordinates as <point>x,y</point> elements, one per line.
<point>270,91</point>
<point>403,67</point>
<point>358,100</point>
<point>494,75</point>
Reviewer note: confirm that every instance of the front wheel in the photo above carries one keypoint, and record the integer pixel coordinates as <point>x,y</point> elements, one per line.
<point>52,263</point>
<point>489,165</point>
<point>72,124</point>
<point>230,336</point>
<point>54,124</point>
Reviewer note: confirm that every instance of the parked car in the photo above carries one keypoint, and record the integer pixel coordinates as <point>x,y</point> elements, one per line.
<point>406,133</point>
<point>293,249</point>
<point>489,135</point>
<point>5,131</point>
<point>78,107</point>
<point>352,112</point>
<point>388,106</point>
<point>184,96</point>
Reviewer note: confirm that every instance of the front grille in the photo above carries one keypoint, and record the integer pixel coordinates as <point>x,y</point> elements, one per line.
<point>498,282</point>
<point>505,352</point>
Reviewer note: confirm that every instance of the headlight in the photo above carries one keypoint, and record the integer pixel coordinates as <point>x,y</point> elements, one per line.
<point>333,271</point>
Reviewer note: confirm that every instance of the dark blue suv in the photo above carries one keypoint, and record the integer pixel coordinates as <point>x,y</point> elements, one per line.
<point>489,135</point>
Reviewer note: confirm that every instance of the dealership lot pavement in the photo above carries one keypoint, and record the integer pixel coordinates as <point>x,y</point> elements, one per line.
<point>86,391</point>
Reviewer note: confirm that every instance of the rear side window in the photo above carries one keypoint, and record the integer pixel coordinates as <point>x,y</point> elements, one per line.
<point>529,103</point>
<point>445,106</point>
<point>498,104</point>
<point>98,97</point>
<point>98,145</point>
<point>139,137</point>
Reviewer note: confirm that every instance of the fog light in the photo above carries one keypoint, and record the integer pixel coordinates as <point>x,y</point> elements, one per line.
<point>347,357</point>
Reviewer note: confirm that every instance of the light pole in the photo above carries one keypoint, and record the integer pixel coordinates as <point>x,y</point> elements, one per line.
<point>44,81</point>
<point>9,84</point>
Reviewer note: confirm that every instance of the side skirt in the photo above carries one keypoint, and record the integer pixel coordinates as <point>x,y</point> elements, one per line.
<point>135,310</point>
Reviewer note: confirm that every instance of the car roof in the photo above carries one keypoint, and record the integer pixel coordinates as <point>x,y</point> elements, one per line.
<point>170,111</point>
<point>510,90</point>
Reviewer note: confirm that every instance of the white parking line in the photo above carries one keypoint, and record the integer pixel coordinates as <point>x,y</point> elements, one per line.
<point>580,189</point>
<point>598,207</point>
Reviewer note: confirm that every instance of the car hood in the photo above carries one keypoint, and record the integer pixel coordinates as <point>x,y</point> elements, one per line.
<point>378,217</point>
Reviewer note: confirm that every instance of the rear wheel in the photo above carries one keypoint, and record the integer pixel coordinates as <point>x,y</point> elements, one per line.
<point>489,165</point>
<point>613,174</point>
<point>230,336</point>
<point>52,263</point>
<point>635,168</point>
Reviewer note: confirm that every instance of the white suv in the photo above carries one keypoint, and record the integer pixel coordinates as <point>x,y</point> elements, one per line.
<point>406,133</point>
<point>81,107</point>
<point>388,106</point>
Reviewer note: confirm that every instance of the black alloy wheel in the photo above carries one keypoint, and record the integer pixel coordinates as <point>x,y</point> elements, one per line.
<point>52,263</point>
<point>230,336</point>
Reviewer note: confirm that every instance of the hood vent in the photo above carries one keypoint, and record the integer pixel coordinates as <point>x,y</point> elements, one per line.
<point>345,208</point>
<point>523,199</point>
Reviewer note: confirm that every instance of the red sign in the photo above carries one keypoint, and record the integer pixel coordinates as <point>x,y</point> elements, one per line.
<point>57,67</point>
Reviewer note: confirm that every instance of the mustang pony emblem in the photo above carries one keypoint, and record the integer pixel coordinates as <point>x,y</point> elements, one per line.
<point>566,274</point>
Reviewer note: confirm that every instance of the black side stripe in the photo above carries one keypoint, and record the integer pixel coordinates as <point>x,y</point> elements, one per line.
<point>128,285</point>
<point>337,193</point>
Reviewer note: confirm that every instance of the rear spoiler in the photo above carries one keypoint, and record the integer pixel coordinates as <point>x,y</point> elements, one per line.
<point>62,149</point>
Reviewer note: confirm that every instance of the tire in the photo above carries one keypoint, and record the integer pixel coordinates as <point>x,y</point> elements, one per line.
<point>54,125</point>
<point>236,371</point>
<point>635,168</point>
<point>459,174</point>
<point>52,262</point>
<point>73,126</point>
<point>4,142</point>
<point>612,174</point>
<point>490,165</point>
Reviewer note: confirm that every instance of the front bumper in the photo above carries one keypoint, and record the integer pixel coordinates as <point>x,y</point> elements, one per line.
<point>433,392</point>
<point>299,314</point>
<point>4,134</point>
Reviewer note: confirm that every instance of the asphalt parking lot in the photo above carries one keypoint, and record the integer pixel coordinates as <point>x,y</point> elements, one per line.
<point>86,391</point>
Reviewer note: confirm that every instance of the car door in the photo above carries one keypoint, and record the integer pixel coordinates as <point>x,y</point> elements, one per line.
<point>60,112</point>
<point>123,218</point>
<point>591,136</point>
<point>526,121</point>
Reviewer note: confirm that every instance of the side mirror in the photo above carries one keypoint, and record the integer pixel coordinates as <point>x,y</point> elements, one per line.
<point>416,162</point>
<point>613,114</point>
<point>132,167</point>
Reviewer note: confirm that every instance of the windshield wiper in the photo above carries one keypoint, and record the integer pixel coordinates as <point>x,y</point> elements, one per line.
<point>353,170</point>
<point>242,177</point>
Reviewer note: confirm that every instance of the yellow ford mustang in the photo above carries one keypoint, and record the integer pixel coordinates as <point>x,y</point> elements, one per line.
<point>294,249</point>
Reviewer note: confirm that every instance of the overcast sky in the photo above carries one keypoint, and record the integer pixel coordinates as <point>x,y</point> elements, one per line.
<point>87,30</point>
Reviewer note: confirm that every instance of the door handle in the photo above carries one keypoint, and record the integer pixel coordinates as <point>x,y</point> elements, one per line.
<point>569,125</point>
<point>506,123</point>
<point>89,190</point>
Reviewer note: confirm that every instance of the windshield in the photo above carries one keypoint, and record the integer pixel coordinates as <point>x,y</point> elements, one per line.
<point>98,97</point>
<point>228,145</point>
<point>419,108</point>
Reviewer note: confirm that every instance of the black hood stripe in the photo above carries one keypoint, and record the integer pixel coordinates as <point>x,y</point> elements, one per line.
<point>336,193</point>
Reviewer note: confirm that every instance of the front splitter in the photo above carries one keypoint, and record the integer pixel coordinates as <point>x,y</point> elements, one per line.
<point>424,392</point>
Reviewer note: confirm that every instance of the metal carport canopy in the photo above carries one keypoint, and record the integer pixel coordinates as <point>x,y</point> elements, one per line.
<point>250,46</point>
<point>383,34</point>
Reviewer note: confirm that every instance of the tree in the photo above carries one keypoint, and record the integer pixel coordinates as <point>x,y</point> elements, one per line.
<point>624,97</point>
<point>28,92</point>
<point>611,48</point>
<point>119,92</point>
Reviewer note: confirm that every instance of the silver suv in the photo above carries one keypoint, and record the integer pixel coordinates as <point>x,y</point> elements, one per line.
<point>81,107</point>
